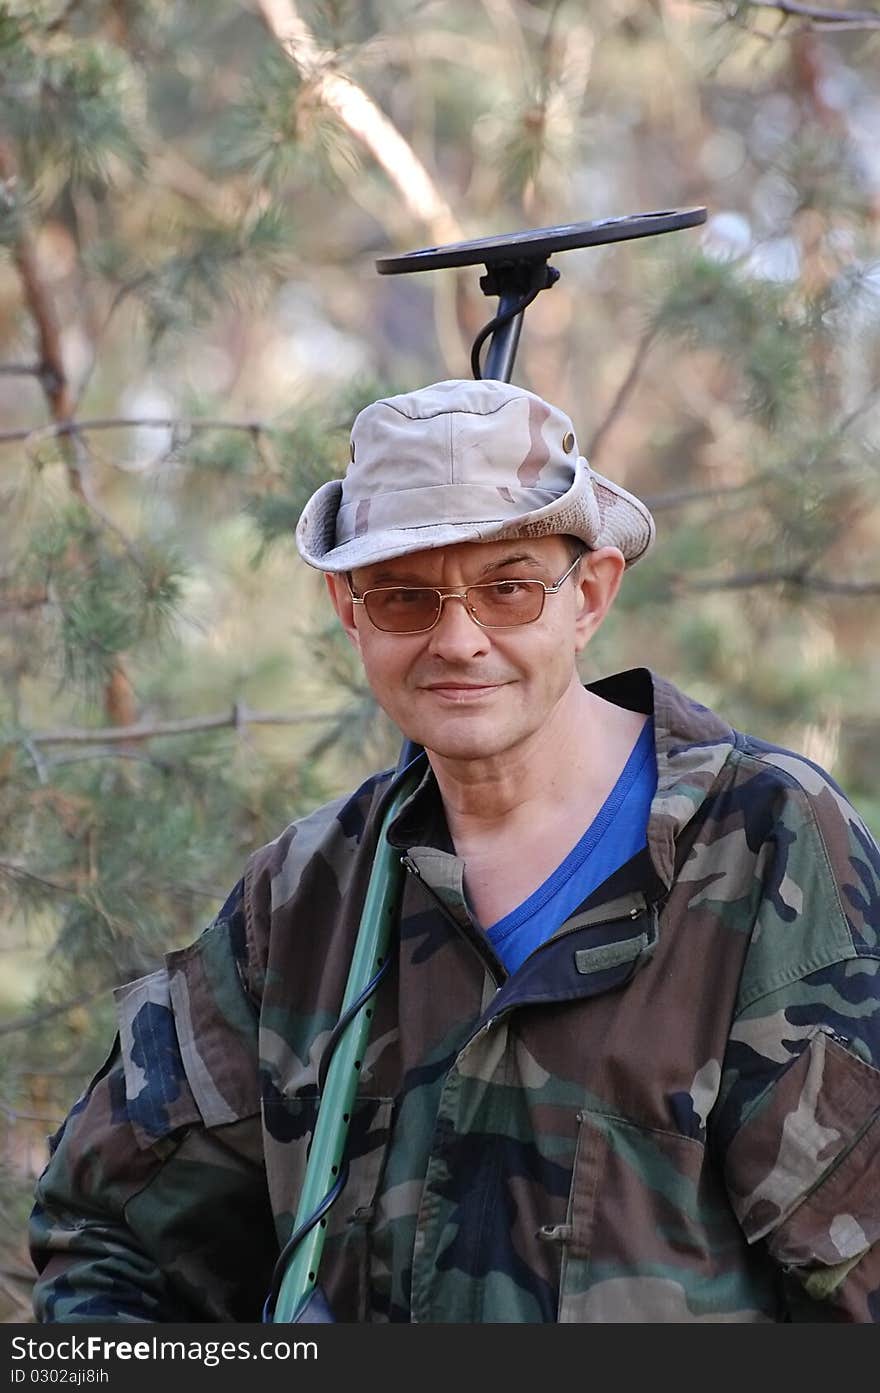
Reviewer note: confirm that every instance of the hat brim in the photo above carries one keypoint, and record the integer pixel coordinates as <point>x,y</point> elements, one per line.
<point>595,509</point>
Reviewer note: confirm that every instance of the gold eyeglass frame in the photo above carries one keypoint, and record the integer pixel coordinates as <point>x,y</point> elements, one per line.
<point>445,593</point>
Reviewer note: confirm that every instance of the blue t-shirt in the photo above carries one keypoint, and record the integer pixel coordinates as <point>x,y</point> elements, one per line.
<point>617,832</point>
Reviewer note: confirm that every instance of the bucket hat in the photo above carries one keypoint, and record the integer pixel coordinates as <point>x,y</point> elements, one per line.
<point>464,461</point>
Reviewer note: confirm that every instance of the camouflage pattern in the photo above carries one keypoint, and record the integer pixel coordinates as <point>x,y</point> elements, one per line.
<point>488,459</point>
<point>670,1112</point>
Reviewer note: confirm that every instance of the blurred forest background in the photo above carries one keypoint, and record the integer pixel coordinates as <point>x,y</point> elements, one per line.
<point>192,196</point>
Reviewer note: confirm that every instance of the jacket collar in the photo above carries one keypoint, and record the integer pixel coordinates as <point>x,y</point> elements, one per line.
<point>692,745</point>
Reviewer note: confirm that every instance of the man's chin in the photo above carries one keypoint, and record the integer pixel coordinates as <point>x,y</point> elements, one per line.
<point>463,732</point>
<point>462,744</point>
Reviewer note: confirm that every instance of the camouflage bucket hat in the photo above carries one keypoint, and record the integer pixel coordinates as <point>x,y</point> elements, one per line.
<point>464,461</point>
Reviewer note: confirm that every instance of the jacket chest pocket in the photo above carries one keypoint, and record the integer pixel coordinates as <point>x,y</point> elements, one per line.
<point>645,1224</point>
<point>345,1264</point>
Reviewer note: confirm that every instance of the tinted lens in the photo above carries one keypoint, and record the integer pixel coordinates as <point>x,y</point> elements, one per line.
<point>404,610</point>
<point>410,608</point>
<point>506,602</point>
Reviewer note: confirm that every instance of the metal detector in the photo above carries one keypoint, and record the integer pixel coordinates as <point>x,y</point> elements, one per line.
<point>517,270</point>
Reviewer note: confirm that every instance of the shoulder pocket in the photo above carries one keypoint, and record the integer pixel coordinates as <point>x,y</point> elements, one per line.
<point>802,1170</point>
<point>188,1038</point>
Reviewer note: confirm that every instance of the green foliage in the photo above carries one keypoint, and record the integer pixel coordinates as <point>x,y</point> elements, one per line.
<point>309,454</point>
<point>18,65</point>
<point>774,373</point>
<point>13,211</point>
<point>217,452</point>
<point>710,303</point>
<point>210,266</point>
<point>70,109</point>
<point>108,597</point>
<point>261,132</point>
<point>358,730</point>
<point>122,848</point>
<point>279,127</point>
<point>522,146</point>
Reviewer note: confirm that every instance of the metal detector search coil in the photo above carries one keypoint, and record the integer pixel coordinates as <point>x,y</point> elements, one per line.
<point>517,269</point>
<point>541,242</point>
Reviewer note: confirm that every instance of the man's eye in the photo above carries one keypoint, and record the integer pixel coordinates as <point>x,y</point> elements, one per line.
<point>509,589</point>
<point>404,596</point>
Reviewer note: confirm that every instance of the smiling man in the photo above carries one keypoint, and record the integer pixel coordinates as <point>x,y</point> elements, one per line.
<point>624,1066</point>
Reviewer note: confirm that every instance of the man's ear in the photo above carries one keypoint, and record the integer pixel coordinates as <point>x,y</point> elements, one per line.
<point>598,581</point>
<point>340,596</point>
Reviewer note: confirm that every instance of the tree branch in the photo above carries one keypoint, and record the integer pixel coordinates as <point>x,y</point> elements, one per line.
<point>63,16</point>
<point>678,498</point>
<point>818,16</point>
<point>33,598</point>
<point>118,697</point>
<point>21,1304</point>
<point>798,579</point>
<point>34,434</point>
<point>50,369</point>
<point>48,1013</point>
<point>9,868</point>
<point>623,392</point>
<point>239,716</point>
<point>13,1115</point>
<point>21,1274</point>
<point>16,872</point>
<point>363,118</point>
<point>19,370</point>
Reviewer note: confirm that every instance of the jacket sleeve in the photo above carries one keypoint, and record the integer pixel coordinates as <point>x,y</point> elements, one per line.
<point>798,1118</point>
<point>153,1205</point>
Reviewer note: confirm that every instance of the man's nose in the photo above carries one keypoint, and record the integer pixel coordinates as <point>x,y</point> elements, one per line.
<point>456,632</point>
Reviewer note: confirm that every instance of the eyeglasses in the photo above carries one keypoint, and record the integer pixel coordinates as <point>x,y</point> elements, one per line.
<point>494,604</point>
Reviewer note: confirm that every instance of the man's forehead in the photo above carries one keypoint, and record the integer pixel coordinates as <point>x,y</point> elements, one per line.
<point>473,557</point>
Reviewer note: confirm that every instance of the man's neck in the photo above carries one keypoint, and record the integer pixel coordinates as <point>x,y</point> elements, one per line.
<point>571,763</point>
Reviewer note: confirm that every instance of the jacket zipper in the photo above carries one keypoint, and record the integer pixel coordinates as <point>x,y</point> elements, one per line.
<point>409,865</point>
<point>506,1010</point>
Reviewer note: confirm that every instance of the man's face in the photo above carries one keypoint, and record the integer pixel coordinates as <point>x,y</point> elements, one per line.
<point>462,691</point>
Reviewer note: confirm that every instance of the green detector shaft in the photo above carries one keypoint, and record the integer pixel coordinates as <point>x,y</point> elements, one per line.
<point>327,1152</point>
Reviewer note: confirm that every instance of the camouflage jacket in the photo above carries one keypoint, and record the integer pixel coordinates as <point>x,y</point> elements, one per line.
<point>670,1112</point>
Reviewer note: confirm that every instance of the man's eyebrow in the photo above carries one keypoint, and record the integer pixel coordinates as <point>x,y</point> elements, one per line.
<point>521,557</point>
<point>396,578</point>
<point>413,578</point>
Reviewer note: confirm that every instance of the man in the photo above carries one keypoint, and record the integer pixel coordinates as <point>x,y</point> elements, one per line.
<point>623,1066</point>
